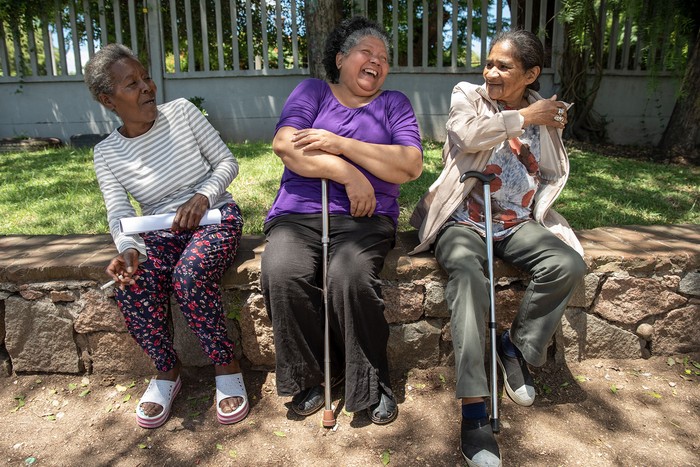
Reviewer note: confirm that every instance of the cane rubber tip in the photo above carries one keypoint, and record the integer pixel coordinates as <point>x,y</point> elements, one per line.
<point>328,419</point>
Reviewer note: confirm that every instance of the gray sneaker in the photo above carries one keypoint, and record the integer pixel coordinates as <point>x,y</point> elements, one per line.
<point>478,444</point>
<point>516,377</point>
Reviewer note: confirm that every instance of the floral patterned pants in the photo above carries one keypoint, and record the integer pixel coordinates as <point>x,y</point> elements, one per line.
<point>189,264</point>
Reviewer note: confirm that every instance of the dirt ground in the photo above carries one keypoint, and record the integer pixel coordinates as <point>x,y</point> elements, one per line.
<point>593,413</point>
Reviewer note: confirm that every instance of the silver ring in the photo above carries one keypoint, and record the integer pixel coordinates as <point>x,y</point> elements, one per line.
<point>560,111</point>
<point>559,118</point>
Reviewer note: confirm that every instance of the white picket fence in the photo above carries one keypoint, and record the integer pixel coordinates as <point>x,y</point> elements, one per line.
<point>207,38</point>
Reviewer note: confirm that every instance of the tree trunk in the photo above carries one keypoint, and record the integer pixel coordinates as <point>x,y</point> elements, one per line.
<point>321,17</point>
<point>681,135</point>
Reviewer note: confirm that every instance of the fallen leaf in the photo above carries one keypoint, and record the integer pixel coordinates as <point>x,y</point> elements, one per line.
<point>671,361</point>
<point>442,380</point>
<point>581,378</point>
<point>20,403</point>
<point>655,395</point>
<point>232,453</point>
<point>420,386</point>
<point>386,457</point>
<point>84,393</point>
<point>220,447</point>
<point>613,389</point>
<point>564,384</point>
<point>120,388</point>
<point>281,434</point>
<point>29,460</point>
<point>51,418</point>
<point>72,386</point>
<point>142,446</point>
<point>127,398</point>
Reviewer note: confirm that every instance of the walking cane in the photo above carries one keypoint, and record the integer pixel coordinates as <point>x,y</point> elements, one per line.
<point>486,180</point>
<point>328,415</point>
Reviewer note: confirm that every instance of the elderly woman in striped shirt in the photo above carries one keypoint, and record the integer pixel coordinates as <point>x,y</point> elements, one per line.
<point>170,160</point>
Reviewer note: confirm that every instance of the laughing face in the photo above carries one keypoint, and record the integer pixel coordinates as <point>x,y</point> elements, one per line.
<point>133,97</point>
<point>365,67</point>
<point>505,77</point>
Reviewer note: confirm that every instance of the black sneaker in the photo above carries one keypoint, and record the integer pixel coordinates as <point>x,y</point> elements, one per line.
<point>308,401</point>
<point>516,377</point>
<point>478,445</point>
<point>383,412</point>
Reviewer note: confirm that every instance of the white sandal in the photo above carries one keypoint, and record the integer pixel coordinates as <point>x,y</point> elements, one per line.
<point>231,386</point>
<point>161,392</point>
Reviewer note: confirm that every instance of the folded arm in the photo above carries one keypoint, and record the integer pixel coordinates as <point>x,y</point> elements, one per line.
<point>393,163</point>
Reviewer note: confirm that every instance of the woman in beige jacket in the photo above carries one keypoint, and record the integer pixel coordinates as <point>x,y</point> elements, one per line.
<point>506,128</point>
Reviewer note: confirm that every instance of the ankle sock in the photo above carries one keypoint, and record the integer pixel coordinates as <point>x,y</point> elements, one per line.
<point>474,411</point>
<point>508,348</point>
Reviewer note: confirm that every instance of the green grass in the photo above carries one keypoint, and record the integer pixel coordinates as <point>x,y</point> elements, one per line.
<point>55,191</point>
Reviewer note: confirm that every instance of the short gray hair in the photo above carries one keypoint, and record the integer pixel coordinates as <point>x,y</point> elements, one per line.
<point>355,38</point>
<point>98,77</point>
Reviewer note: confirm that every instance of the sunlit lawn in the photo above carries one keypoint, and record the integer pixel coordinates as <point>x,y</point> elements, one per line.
<point>55,192</point>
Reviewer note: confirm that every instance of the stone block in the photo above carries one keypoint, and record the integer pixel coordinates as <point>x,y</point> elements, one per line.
<point>690,284</point>
<point>30,294</point>
<point>256,333</point>
<point>62,296</point>
<point>585,294</point>
<point>39,337</point>
<point>5,363</point>
<point>98,313</point>
<point>7,289</point>
<point>403,303</point>
<point>586,336</point>
<point>414,345</point>
<point>677,332</point>
<point>118,353</point>
<point>435,304</point>
<point>629,300</point>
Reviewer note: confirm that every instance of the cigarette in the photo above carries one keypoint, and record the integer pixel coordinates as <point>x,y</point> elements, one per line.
<point>111,283</point>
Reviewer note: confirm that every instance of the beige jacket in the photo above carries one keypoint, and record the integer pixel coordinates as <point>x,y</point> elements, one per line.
<point>474,128</point>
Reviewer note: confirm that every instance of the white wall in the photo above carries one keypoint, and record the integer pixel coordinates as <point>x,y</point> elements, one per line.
<point>247,108</point>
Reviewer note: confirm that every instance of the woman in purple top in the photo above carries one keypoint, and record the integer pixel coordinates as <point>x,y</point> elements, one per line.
<point>365,142</point>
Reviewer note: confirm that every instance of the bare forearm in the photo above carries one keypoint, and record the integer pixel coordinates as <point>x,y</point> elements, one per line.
<point>390,162</point>
<point>311,164</point>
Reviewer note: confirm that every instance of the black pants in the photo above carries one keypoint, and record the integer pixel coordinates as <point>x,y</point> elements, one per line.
<point>291,279</point>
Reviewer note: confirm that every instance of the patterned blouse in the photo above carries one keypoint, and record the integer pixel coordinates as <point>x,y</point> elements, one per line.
<point>516,166</point>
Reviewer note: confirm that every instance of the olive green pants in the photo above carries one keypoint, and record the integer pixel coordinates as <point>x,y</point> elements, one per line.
<point>555,270</point>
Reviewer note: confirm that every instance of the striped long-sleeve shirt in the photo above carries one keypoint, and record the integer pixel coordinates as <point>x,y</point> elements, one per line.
<point>181,155</point>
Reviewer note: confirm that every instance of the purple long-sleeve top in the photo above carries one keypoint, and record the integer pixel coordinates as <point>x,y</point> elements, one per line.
<point>388,119</point>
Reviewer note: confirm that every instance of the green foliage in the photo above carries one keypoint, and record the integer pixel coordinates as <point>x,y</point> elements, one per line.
<point>199,103</point>
<point>55,192</point>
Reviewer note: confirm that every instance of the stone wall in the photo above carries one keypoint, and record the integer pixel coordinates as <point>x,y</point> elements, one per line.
<point>641,297</point>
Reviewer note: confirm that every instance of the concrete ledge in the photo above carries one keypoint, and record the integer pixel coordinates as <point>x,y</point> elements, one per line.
<point>641,297</point>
